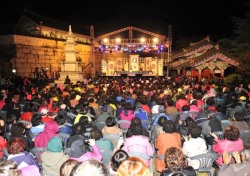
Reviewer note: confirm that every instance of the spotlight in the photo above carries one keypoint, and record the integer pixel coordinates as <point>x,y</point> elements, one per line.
<point>13,70</point>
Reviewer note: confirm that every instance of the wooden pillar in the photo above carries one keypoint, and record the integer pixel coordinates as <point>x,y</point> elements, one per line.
<point>222,72</point>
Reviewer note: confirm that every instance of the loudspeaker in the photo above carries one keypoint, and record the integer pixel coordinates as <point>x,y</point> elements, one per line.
<point>124,75</point>
<point>138,74</point>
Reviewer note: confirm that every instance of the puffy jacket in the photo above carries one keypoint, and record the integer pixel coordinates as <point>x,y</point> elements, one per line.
<point>50,130</point>
<point>129,116</point>
<point>138,143</point>
<point>226,146</point>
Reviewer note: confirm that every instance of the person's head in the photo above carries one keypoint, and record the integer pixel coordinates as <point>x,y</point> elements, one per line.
<point>170,103</point>
<point>231,133</point>
<point>110,122</point>
<point>17,130</point>
<point>55,144</point>
<point>60,119</point>
<point>137,129</point>
<point>239,116</point>
<point>15,146</point>
<point>133,166</point>
<point>135,121</point>
<point>36,120</point>
<point>189,121</point>
<point>161,120</point>
<point>11,119</point>
<point>161,109</point>
<point>67,167</point>
<point>185,108</point>
<point>211,114</point>
<point>128,106</point>
<point>9,168</point>
<point>118,157</point>
<point>90,167</point>
<point>77,148</point>
<point>174,159</point>
<point>78,129</point>
<point>96,134</point>
<point>169,127</point>
<point>195,131</point>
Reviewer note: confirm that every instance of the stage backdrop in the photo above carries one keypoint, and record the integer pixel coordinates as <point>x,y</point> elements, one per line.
<point>134,62</point>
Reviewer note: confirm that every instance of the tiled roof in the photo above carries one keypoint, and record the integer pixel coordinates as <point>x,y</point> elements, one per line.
<point>52,23</point>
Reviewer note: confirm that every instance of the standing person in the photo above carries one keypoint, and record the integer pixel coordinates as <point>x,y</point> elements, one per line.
<point>26,81</point>
<point>36,74</point>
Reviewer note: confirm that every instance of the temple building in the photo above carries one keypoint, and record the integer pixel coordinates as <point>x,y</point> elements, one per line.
<point>201,59</point>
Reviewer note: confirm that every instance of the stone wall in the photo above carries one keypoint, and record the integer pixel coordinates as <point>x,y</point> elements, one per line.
<point>32,52</point>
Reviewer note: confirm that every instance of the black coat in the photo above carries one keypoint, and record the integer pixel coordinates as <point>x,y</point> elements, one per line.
<point>188,171</point>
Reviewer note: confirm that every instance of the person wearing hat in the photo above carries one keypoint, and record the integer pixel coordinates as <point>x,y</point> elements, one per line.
<point>78,151</point>
<point>54,157</point>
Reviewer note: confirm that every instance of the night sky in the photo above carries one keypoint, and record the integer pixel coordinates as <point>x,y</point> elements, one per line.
<point>188,18</point>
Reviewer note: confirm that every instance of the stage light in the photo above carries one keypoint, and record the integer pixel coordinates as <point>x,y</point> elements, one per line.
<point>105,40</point>
<point>14,71</point>
<point>155,40</point>
<point>143,40</point>
<point>117,40</point>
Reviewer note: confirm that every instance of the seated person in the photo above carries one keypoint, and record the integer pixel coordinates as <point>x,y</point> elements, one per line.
<point>231,143</point>
<point>79,153</point>
<point>175,163</point>
<point>102,144</point>
<point>194,145</point>
<point>138,143</point>
<point>239,121</point>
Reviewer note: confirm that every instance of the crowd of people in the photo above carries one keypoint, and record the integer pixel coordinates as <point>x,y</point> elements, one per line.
<point>123,127</point>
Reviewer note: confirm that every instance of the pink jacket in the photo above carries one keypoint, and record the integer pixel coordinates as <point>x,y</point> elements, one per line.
<point>95,154</point>
<point>138,143</point>
<point>228,146</point>
<point>50,130</point>
<point>129,117</point>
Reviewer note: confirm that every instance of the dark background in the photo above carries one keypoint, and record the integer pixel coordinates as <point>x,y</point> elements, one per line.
<point>188,17</point>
